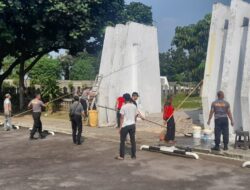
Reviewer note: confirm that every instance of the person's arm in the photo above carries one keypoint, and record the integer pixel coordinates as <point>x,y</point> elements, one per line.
<point>229,113</point>
<point>30,104</point>
<point>121,119</point>
<point>139,115</point>
<point>210,116</point>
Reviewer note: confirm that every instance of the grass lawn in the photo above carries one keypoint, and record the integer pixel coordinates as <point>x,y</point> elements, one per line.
<point>191,103</point>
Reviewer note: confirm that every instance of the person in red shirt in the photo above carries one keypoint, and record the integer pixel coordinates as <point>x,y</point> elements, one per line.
<point>119,103</point>
<point>168,117</point>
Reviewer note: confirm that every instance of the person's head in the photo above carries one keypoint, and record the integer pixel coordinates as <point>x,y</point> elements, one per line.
<point>220,95</point>
<point>127,97</point>
<point>169,100</point>
<point>135,96</point>
<point>76,98</point>
<point>38,96</point>
<point>8,96</point>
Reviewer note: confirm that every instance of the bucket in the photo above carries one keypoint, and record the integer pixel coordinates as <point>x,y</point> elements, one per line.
<point>93,118</point>
<point>197,132</point>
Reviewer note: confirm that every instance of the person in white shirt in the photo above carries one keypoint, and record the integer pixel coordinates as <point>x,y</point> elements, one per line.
<point>7,113</point>
<point>128,113</point>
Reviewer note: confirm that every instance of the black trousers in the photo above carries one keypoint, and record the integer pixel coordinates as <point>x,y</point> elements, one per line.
<point>37,126</point>
<point>221,127</point>
<point>118,118</point>
<point>76,124</point>
<point>130,129</point>
<point>170,135</point>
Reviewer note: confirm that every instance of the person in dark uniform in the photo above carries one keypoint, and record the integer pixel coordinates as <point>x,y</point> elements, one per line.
<point>221,111</point>
<point>36,104</point>
<point>76,112</point>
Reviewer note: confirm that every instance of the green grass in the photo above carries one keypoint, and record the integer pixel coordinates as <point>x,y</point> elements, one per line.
<point>191,103</point>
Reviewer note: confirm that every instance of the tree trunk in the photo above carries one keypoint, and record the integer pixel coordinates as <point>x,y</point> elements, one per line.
<point>21,86</point>
<point>66,74</point>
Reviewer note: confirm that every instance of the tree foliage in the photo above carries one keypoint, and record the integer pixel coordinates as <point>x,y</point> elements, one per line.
<point>46,68</point>
<point>138,12</point>
<point>185,61</point>
<point>84,67</point>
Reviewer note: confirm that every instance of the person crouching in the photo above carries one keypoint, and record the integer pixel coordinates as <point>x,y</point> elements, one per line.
<point>168,117</point>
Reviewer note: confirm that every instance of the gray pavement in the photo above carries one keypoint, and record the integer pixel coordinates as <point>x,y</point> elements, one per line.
<point>55,163</point>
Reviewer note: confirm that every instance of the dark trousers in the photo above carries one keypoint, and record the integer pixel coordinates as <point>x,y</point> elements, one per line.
<point>37,126</point>
<point>221,127</point>
<point>170,135</point>
<point>76,124</point>
<point>130,129</point>
<point>118,118</point>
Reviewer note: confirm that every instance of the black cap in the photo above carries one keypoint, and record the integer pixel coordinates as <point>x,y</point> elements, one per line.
<point>76,98</point>
<point>135,94</point>
<point>127,97</point>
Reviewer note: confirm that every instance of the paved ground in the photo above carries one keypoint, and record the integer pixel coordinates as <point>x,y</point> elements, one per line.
<point>55,163</point>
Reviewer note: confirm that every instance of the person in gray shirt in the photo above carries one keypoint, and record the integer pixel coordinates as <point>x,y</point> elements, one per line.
<point>221,111</point>
<point>36,104</point>
<point>76,112</point>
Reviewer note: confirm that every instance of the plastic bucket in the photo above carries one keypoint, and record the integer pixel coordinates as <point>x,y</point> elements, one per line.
<point>197,132</point>
<point>93,118</point>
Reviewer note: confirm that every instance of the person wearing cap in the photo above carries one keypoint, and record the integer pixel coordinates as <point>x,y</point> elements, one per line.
<point>76,112</point>
<point>7,113</point>
<point>221,111</point>
<point>128,118</point>
<point>36,105</point>
<point>134,98</point>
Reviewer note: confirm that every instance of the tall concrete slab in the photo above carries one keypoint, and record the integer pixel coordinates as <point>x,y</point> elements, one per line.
<point>234,59</point>
<point>215,56</point>
<point>134,67</point>
<point>229,70</point>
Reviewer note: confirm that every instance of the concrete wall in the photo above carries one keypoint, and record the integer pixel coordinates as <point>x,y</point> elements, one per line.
<point>130,62</point>
<point>229,70</point>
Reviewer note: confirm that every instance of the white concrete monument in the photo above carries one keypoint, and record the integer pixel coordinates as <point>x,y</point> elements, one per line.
<point>130,62</point>
<point>228,61</point>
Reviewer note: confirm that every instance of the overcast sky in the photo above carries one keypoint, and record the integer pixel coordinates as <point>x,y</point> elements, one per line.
<point>168,14</point>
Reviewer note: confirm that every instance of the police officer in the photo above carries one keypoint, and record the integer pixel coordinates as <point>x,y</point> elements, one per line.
<point>36,104</point>
<point>221,111</point>
<point>76,112</point>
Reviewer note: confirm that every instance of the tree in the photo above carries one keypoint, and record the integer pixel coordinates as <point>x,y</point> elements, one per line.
<point>83,68</point>
<point>31,29</point>
<point>138,12</point>
<point>185,60</point>
<point>44,69</point>
<point>66,63</point>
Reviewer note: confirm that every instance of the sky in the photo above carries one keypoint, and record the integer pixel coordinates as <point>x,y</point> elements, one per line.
<point>167,14</point>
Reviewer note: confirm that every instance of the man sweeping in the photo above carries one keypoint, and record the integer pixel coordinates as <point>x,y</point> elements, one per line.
<point>221,111</point>
<point>36,104</point>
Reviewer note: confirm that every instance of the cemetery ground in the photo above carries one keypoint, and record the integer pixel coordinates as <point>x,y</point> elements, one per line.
<point>56,163</point>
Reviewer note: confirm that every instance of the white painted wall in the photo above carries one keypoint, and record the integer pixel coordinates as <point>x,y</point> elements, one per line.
<point>229,70</point>
<point>130,62</point>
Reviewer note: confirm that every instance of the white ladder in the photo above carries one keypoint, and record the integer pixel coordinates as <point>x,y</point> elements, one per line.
<point>95,89</point>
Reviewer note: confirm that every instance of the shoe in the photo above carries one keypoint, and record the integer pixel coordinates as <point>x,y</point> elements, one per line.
<point>225,148</point>
<point>133,158</point>
<point>33,138</point>
<point>119,158</point>
<point>79,143</point>
<point>42,137</point>
<point>216,148</point>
